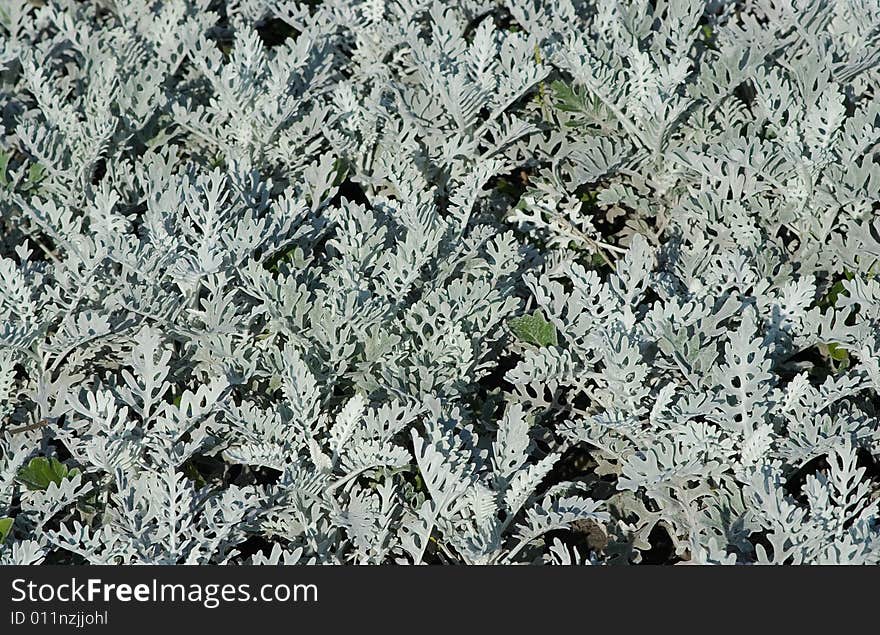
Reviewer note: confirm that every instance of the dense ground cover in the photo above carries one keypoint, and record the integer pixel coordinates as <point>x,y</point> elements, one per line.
<point>439,282</point>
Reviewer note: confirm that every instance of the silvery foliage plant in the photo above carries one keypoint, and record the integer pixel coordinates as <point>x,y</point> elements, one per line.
<point>439,282</point>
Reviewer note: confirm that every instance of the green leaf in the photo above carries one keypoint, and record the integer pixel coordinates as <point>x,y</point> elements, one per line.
<point>836,290</point>
<point>35,173</point>
<point>534,329</point>
<point>5,528</point>
<point>42,471</point>
<point>341,168</point>
<point>837,352</point>
<point>4,164</point>
<point>566,98</point>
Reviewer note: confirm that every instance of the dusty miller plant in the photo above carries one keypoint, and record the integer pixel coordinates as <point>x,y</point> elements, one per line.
<point>405,281</point>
